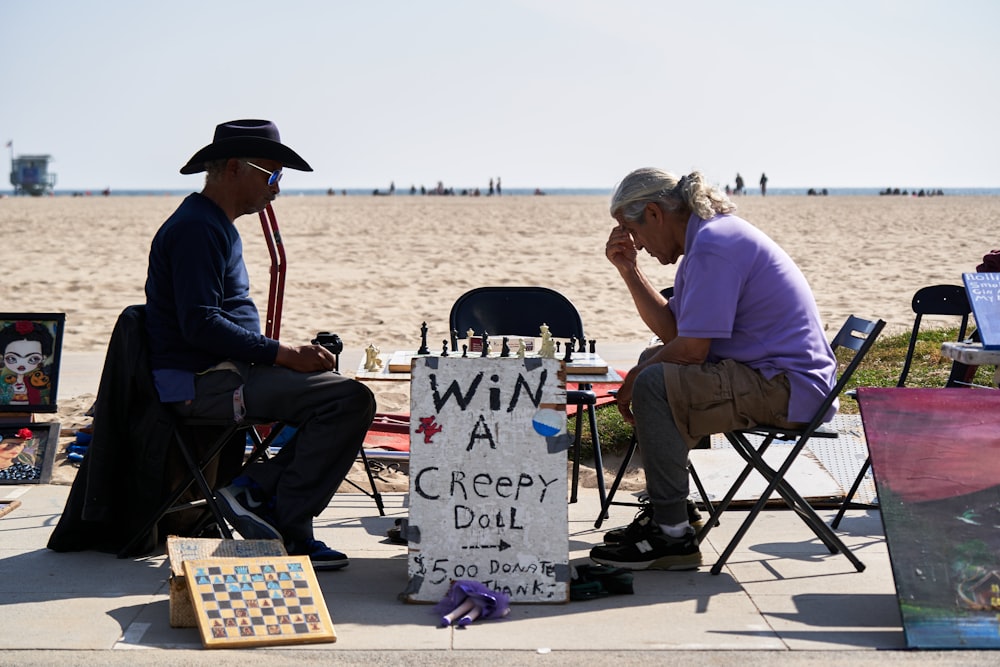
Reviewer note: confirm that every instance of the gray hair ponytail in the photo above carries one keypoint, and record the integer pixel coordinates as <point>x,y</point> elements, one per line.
<point>649,184</point>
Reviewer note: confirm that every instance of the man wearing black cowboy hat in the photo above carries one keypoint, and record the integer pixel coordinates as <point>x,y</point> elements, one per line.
<point>210,359</point>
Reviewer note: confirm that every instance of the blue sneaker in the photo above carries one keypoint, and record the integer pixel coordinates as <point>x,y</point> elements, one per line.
<point>321,556</point>
<point>246,510</point>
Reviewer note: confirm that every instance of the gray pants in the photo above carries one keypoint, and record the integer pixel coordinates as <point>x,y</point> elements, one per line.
<point>331,414</point>
<point>663,449</point>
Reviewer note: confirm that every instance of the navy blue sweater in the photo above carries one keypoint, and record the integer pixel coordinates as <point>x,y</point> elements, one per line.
<point>198,305</point>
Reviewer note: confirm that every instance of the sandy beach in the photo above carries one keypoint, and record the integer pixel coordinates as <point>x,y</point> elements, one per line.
<point>372,269</point>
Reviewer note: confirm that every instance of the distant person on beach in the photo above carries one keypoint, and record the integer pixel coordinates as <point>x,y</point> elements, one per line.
<point>499,190</point>
<point>763,184</point>
<point>739,184</point>
<point>210,359</point>
<point>733,288</point>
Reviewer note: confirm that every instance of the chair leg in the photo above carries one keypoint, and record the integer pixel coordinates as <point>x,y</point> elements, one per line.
<point>577,441</point>
<point>598,457</point>
<point>376,495</point>
<point>701,490</point>
<point>609,499</point>
<point>194,475</point>
<point>777,484</point>
<point>850,494</point>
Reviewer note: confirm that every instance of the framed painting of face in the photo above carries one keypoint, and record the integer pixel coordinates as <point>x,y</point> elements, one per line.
<point>27,452</point>
<point>31,344</point>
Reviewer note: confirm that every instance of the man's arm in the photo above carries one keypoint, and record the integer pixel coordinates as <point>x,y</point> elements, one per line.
<point>305,358</point>
<point>681,350</point>
<point>650,304</point>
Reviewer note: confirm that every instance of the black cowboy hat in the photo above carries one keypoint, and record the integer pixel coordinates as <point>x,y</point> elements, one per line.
<point>246,139</point>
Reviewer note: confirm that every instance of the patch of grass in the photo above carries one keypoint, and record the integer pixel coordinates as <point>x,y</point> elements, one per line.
<point>880,368</point>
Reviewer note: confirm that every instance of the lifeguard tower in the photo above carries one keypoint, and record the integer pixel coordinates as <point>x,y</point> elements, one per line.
<point>29,174</point>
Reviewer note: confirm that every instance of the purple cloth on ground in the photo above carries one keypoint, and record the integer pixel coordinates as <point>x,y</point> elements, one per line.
<point>491,604</point>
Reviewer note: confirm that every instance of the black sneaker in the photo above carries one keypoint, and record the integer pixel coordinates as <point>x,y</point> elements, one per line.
<point>246,510</point>
<point>630,532</point>
<point>321,556</point>
<point>652,550</point>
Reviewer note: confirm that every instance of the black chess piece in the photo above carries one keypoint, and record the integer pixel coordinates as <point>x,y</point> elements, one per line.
<point>465,350</point>
<point>423,340</point>
<point>583,346</point>
<point>454,339</point>
<point>568,357</point>
<point>444,348</point>
<point>486,345</point>
<point>593,346</point>
<point>505,347</point>
<point>558,345</point>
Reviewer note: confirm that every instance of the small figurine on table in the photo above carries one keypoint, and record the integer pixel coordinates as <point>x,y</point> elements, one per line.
<point>372,362</point>
<point>548,346</point>
<point>520,348</point>
<point>423,339</point>
<point>505,347</point>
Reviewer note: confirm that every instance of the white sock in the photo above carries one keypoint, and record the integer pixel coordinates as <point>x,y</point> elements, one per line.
<point>675,530</point>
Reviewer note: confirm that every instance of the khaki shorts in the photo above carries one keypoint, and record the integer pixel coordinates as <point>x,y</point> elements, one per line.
<point>715,398</point>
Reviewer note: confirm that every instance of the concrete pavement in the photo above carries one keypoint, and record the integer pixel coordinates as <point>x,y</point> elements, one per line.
<point>781,599</point>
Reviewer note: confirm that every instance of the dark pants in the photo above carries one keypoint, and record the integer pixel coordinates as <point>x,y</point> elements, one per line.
<point>331,414</point>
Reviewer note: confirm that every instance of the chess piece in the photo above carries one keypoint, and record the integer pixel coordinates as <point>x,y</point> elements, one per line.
<point>454,339</point>
<point>583,346</point>
<point>423,339</point>
<point>520,348</point>
<point>486,345</point>
<point>444,348</point>
<point>593,346</point>
<point>505,347</point>
<point>372,362</point>
<point>465,351</point>
<point>548,348</point>
<point>568,357</point>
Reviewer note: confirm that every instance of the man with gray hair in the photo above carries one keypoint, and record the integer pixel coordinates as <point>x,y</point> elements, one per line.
<point>743,344</point>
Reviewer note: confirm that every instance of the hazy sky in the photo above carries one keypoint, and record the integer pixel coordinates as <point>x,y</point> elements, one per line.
<point>560,93</point>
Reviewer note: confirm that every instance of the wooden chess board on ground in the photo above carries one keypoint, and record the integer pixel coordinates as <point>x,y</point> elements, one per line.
<point>258,601</point>
<point>582,363</point>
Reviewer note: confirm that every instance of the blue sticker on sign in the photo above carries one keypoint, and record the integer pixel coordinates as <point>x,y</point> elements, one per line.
<point>548,422</point>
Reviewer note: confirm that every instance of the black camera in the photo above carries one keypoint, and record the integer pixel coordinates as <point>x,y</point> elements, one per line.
<point>330,341</point>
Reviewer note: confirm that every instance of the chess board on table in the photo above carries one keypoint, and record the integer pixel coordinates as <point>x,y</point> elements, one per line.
<point>258,601</point>
<point>581,363</point>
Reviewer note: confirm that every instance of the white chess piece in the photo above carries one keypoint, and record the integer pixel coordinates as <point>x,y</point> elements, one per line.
<point>548,347</point>
<point>520,348</point>
<point>372,362</point>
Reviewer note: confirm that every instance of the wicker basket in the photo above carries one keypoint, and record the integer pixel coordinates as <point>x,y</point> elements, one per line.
<point>181,549</point>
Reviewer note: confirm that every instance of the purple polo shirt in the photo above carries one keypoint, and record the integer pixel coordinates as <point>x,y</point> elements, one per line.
<point>738,287</point>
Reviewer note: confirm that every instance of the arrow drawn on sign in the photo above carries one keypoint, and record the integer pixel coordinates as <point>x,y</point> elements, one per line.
<point>502,546</point>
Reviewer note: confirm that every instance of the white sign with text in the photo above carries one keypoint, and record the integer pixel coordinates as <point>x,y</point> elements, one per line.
<point>488,453</point>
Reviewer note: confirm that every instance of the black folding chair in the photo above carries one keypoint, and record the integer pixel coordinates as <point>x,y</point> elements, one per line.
<point>520,311</point>
<point>202,444</point>
<point>932,300</point>
<point>857,335</point>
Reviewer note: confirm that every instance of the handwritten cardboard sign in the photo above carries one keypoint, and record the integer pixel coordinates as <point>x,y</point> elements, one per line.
<point>488,449</point>
<point>983,290</point>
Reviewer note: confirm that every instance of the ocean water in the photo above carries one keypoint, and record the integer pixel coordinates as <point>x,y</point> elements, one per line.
<point>603,192</point>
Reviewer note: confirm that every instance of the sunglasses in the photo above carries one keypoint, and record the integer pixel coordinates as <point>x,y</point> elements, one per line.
<point>272,176</point>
